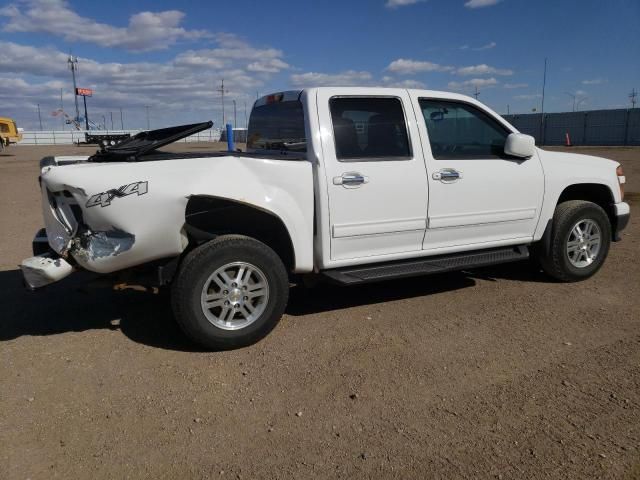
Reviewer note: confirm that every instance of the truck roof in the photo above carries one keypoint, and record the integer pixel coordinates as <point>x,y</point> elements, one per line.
<point>290,95</point>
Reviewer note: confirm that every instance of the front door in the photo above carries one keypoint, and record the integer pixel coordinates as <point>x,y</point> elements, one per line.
<point>478,196</point>
<point>375,171</point>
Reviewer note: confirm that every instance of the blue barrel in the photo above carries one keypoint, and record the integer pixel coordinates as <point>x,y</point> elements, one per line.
<point>230,146</point>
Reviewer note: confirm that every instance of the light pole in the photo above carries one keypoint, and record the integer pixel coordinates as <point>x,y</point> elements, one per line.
<point>39,117</point>
<point>235,117</point>
<point>111,115</point>
<point>121,119</point>
<point>73,65</point>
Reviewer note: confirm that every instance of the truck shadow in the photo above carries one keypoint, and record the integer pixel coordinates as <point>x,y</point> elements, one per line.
<point>147,319</point>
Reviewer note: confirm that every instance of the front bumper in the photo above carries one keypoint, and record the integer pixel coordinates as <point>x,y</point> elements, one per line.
<point>622,213</point>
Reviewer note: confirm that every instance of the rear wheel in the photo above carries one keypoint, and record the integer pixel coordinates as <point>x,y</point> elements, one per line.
<point>230,292</point>
<point>580,240</point>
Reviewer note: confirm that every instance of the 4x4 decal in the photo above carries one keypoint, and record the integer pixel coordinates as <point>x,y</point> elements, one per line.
<point>104,199</point>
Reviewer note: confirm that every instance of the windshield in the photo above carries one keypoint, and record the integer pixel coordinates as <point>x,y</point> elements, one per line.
<point>277,126</point>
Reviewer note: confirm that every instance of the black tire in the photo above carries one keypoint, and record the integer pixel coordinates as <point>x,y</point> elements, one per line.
<point>194,272</point>
<point>555,261</point>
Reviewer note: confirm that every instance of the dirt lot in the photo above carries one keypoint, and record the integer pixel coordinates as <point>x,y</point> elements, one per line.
<point>495,373</point>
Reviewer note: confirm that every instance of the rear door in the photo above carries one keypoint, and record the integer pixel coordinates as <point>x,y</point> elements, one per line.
<point>375,172</point>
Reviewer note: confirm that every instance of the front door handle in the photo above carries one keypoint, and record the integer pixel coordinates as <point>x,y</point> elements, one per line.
<point>350,179</point>
<point>447,175</point>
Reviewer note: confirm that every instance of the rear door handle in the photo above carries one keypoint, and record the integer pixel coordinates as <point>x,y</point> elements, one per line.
<point>350,179</point>
<point>447,175</point>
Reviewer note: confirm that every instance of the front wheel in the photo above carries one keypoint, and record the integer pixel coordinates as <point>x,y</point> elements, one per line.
<point>230,292</point>
<point>580,240</point>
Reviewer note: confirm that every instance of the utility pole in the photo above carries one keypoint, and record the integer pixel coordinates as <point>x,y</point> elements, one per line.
<point>477,94</point>
<point>121,120</point>
<point>544,85</point>
<point>104,122</point>
<point>73,65</point>
<point>508,112</point>
<point>111,114</point>
<point>222,92</point>
<point>632,96</point>
<point>245,115</point>
<point>148,123</point>
<point>235,117</point>
<point>39,117</point>
<point>61,110</point>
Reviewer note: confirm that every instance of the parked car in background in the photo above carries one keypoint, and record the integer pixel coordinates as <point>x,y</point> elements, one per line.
<point>9,133</point>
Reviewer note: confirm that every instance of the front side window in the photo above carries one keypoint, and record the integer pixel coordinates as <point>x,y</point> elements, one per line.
<point>461,131</point>
<point>369,129</point>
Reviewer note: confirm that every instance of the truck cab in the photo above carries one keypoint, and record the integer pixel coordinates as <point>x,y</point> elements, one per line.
<point>348,185</point>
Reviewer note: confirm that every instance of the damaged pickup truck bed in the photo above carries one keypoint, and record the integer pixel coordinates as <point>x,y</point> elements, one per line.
<point>349,185</point>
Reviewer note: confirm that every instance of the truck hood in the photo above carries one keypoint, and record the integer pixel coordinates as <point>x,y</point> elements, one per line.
<point>571,160</point>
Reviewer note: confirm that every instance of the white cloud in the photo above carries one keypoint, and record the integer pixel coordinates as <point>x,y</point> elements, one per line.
<point>595,81</point>
<point>481,3</point>
<point>515,85</point>
<point>316,79</point>
<point>145,31</point>
<point>401,3</point>
<point>482,70</point>
<point>530,96</point>
<point>487,46</point>
<point>179,90</point>
<point>407,83</point>
<point>474,82</point>
<point>405,66</point>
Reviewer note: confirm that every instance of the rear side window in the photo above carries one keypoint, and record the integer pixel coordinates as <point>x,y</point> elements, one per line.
<point>369,129</point>
<point>277,126</point>
<point>4,128</point>
<point>461,131</point>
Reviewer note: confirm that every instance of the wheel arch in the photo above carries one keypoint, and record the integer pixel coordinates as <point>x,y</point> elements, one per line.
<point>207,217</point>
<point>598,193</point>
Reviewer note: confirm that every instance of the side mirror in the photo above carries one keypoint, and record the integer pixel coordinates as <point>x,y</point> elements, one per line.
<point>520,145</point>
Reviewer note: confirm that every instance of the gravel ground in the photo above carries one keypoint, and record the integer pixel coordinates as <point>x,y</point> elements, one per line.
<point>494,373</point>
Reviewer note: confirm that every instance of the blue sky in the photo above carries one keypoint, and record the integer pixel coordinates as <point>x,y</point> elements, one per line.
<point>172,56</point>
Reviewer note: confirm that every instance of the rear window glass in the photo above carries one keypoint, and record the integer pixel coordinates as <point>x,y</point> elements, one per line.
<point>277,126</point>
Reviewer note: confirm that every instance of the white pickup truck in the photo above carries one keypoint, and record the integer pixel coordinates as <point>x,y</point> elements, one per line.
<point>349,185</point>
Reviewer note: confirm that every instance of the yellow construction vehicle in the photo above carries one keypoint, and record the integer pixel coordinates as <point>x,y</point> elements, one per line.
<point>8,133</point>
